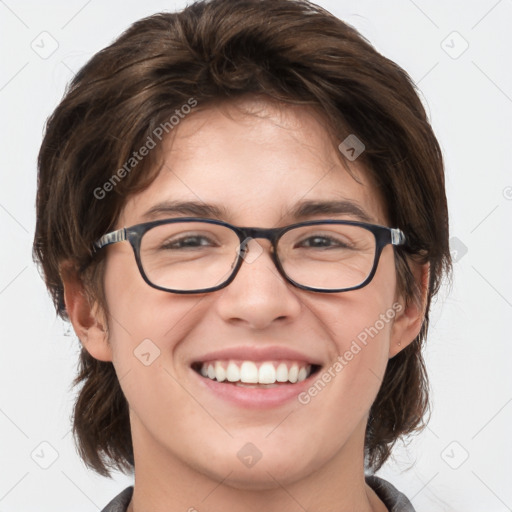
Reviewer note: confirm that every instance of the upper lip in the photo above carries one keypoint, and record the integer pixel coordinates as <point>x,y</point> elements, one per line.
<point>251,353</point>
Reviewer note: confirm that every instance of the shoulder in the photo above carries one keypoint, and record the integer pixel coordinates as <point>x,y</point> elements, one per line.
<point>120,502</point>
<point>394,500</point>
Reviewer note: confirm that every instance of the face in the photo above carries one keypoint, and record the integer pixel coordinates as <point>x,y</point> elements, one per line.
<point>257,162</point>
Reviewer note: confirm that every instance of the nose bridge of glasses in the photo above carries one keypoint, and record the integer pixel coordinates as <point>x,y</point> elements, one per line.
<point>252,234</point>
<point>267,233</point>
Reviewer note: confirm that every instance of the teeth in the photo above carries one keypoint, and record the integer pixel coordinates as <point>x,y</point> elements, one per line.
<point>220,373</point>
<point>232,373</point>
<point>293,372</point>
<point>282,373</point>
<point>267,374</point>
<point>248,372</point>
<point>302,374</point>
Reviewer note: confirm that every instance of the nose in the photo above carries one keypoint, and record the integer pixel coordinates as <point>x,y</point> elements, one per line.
<point>259,295</point>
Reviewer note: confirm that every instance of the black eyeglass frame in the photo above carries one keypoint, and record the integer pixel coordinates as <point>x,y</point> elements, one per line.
<point>133,234</point>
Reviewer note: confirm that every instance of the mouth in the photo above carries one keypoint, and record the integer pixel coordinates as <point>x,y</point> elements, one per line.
<point>255,374</point>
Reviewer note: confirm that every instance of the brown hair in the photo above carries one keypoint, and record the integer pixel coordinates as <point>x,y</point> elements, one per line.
<point>291,51</point>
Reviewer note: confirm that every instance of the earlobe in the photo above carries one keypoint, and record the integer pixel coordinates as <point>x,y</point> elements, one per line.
<point>409,320</point>
<point>86,318</point>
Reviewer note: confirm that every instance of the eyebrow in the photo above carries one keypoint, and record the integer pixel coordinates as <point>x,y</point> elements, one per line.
<point>192,208</point>
<point>300,211</point>
<point>341,207</point>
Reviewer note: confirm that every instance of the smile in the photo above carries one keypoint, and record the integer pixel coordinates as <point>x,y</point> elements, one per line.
<point>255,373</point>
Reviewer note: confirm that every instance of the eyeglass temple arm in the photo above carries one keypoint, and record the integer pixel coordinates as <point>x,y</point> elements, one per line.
<point>397,236</point>
<point>110,238</point>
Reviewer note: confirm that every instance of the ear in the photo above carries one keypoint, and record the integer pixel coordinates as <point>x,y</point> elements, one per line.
<point>409,318</point>
<point>87,319</point>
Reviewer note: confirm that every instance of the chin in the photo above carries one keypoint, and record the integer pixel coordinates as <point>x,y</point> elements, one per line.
<point>265,478</point>
<point>271,471</point>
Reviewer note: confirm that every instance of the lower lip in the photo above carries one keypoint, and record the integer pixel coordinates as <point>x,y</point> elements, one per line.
<point>256,398</point>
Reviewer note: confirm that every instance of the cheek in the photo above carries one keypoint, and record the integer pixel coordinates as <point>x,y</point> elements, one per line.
<point>143,319</point>
<point>358,325</point>
<point>359,330</point>
<point>360,315</point>
<point>146,327</point>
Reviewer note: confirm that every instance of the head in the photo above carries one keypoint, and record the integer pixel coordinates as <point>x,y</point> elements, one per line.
<point>243,106</point>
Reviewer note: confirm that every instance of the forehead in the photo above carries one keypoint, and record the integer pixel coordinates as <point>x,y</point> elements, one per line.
<point>255,162</point>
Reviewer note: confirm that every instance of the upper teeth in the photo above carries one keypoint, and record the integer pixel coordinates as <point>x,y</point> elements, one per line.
<point>248,371</point>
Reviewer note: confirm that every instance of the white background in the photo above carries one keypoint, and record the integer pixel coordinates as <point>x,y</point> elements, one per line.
<point>469,101</point>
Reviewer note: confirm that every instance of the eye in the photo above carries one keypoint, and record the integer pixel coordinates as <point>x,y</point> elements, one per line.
<point>320,242</point>
<point>189,241</point>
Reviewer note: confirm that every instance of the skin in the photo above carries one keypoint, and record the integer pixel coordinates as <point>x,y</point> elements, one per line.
<point>257,160</point>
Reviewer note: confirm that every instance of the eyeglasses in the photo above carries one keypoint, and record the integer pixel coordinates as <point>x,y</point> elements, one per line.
<point>196,255</point>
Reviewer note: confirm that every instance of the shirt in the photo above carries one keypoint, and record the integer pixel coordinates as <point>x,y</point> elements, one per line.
<point>394,500</point>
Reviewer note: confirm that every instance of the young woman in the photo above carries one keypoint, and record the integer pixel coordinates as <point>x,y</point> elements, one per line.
<point>241,210</point>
